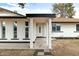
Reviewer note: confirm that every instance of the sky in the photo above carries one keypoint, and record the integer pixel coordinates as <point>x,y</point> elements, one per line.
<point>35,8</point>
<point>29,7</point>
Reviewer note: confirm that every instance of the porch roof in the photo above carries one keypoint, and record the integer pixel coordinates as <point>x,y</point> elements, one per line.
<point>41,15</point>
<point>13,17</point>
<point>65,20</point>
<point>30,15</point>
<point>1,9</point>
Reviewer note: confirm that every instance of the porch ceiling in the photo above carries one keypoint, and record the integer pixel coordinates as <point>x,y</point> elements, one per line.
<point>41,20</point>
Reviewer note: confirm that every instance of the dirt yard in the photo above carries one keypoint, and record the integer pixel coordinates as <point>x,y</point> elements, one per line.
<point>66,47</point>
<point>16,52</point>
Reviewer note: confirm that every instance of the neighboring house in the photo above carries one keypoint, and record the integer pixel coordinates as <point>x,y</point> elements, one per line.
<point>15,27</point>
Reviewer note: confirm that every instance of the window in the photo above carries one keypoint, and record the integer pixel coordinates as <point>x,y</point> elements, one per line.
<point>55,27</point>
<point>26,30</point>
<point>77,27</point>
<point>3,29</point>
<point>15,29</point>
<point>39,29</point>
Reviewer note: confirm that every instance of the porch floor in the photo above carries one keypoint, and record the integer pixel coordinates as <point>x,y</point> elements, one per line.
<point>14,46</point>
<point>40,43</point>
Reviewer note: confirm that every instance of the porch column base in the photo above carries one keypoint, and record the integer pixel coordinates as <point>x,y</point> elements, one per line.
<point>31,44</point>
<point>50,44</point>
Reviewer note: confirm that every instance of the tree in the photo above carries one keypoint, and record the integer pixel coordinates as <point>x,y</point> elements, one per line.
<point>69,9</point>
<point>22,5</point>
<point>64,9</point>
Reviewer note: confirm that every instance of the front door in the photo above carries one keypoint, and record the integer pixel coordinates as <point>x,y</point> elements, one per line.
<point>40,30</point>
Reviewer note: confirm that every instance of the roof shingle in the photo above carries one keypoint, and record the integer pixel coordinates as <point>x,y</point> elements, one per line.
<point>65,20</point>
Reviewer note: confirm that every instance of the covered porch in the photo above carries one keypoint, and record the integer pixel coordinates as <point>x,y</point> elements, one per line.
<point>40,32</point>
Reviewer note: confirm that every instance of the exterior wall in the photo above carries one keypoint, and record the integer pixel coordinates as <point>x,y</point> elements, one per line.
<point>9,29</point>
<point>67,30</point>
<point>20,29</point>
<point>45,29</point>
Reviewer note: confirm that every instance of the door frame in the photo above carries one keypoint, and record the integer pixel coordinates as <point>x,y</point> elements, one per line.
<point>40,30</point>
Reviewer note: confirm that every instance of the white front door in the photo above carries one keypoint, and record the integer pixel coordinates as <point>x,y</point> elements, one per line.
<point>40,30</point>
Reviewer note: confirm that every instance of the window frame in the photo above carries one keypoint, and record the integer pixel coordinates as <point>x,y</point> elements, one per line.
<point>26,29</point>
<point>14,31</point>
<point>77,27</point>
<point>3,30</point>
<point>55,26</point>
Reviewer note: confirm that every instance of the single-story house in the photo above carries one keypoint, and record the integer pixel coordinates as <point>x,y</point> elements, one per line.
<point>15,27</point>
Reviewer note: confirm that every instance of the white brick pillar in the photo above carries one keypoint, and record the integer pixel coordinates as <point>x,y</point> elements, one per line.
<point>20,29</point>
<point>31,32</point>
<point>9,29</point>
<point>47,38</point>
<point>0,29</point>
<point>49,31</point>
